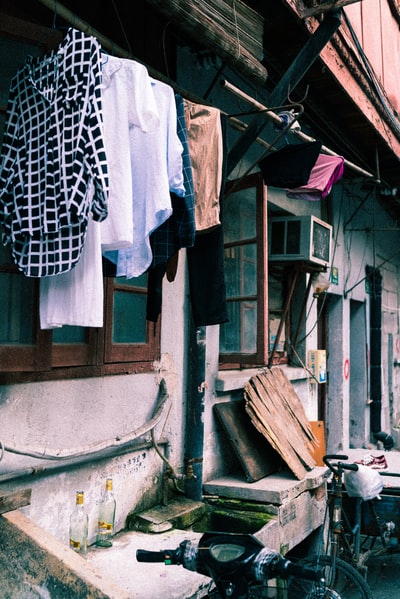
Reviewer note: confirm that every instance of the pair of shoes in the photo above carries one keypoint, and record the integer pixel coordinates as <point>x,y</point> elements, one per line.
<point>378,462</point>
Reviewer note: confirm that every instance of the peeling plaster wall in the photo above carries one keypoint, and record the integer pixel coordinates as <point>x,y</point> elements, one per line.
<point>70,414</point>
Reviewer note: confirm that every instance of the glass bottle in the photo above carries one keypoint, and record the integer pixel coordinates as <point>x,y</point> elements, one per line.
<point>105,525</point>
<point>78,526</point>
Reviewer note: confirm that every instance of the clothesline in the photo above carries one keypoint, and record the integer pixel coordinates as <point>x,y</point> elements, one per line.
<point>303,136</point>
<point>112,47</point>
<point>117,50</point>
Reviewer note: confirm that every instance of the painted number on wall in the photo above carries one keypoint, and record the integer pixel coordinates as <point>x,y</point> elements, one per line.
<point>346,369</point>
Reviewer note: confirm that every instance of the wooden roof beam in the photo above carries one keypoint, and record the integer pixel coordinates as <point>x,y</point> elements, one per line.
<point>325,7</point>
<point>295,73</point>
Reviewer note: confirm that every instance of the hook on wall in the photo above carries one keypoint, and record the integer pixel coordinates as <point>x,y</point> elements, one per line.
<point>301,99</point>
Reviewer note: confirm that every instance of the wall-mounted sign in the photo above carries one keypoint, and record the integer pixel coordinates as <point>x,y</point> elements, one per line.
<point>335,275</point>
<point>346,369</point>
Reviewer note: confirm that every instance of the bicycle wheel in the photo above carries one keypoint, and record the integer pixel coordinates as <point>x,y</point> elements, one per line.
<point>341,582</point>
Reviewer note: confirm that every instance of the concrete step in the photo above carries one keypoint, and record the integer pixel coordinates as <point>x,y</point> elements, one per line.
<point>180,513</point>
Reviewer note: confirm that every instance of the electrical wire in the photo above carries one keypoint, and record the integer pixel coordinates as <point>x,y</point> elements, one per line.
<point>122,26</point>
<point>119,441</point>
<point>377,87</point>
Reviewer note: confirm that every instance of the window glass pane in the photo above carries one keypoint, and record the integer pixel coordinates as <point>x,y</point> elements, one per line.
<point>239,215</point>
<point>275,290</point>
<point>69,335</point>
<point>239,335</point>
<point>129,320</point>
<point>241,270</point>
<point>249,342</point>
<point>17,306</point>
<point>249,269</point>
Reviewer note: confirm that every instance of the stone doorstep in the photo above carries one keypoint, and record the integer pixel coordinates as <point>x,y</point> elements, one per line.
<point>180,513</point>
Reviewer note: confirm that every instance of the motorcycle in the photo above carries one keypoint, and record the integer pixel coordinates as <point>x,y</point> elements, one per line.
<point>242,568</point>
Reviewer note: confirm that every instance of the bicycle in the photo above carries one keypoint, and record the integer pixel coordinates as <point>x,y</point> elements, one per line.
<point>346,531</point>
<point>242,568</point>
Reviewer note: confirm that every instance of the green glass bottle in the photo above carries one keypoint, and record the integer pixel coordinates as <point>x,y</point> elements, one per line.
<point>105,524</point>
<point>78,526</point>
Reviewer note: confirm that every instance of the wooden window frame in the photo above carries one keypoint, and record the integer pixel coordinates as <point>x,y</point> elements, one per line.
<point>260,357</point>
<point>127,352</point>
<point>45,360</point>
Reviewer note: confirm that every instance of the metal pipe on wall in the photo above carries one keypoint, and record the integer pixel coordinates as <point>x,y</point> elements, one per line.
<point>303,136</point>
<point>93,448</point>
<point>86,459</point>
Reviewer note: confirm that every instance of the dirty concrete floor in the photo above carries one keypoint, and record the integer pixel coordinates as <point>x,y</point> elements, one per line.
<point>384,576</point>
<point>148,581</point>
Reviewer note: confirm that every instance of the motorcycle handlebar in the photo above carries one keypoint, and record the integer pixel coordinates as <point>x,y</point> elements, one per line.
<point>290,568</point>
<point>168,556</point>
<point>142,555</point>
<point>267,563</point>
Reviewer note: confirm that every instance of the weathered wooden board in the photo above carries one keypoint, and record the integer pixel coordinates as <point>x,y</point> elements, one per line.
<point>13,501</point>
<point>255,454</point>
<point>278,414</point>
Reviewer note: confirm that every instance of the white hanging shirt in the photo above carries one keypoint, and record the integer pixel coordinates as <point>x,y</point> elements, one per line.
<point>157,170</point>
<point>128,103</point>
<point>75,297</point>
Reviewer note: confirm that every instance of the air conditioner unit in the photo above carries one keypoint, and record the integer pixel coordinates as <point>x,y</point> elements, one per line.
<point>299,238</point>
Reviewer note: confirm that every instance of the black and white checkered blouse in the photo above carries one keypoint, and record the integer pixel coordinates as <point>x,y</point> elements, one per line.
<point>53,166</point>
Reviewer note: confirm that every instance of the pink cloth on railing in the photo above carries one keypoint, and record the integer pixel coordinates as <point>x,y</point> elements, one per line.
<point>326,171</point>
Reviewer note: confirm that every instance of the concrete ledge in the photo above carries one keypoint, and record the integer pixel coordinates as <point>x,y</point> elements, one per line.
<point>275,488</point>
<point>231,380</point>
<point>35,564</point>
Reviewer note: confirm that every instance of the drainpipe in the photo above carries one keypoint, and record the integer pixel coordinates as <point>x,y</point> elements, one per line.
<point>375,281</point>
<point>195,414</point>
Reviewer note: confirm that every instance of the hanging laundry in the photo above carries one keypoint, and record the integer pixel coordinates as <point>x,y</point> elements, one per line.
<point>206,266</point>
<point>206,154</point>
<point>75,297</point>
<point>291,165</point>
<point>178,231</point>
<point>157,170</point>
<point>325,173</point>
<point>53,149</point>
<point>128,101</point>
